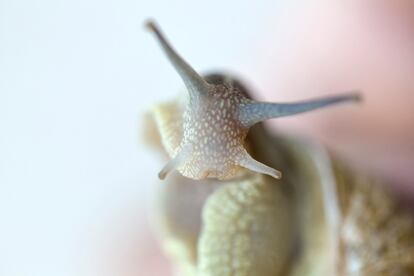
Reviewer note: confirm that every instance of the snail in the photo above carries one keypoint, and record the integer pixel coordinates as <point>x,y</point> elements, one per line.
<point>216,120</point>
<point>221,212</point>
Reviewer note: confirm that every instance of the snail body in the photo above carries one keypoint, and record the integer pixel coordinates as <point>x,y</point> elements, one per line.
<point>216,121</point>
<point>227,213</point>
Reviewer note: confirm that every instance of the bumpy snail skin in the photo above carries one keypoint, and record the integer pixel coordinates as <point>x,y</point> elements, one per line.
<point>247,229</point>
<point>216,121</point>
<point>326,218</point>
<point>249,226</point>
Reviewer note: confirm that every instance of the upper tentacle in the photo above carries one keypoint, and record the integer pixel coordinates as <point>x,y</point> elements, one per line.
<point>254,112</point>
<point>195,84</point>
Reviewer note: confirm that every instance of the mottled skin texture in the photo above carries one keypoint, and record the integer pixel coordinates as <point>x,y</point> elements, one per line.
<point>250,226</point>
<point>377,233</point>
<point>216,121</point>
<point>257,223</point>
<point>211,128</point>
<point>323,219</point>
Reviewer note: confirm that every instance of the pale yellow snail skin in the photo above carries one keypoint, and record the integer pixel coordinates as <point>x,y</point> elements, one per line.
<point>227,213</point>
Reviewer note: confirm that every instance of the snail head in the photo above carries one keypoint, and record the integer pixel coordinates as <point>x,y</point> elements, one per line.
<point>216,120</point>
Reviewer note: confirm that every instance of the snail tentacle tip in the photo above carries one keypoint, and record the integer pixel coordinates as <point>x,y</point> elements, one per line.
<point>277,174</point>
<point>357,97</point>
<point>162,175</point>
<point>174,163</point>
<point>252,164</point>
<point>351,96</point>
<point>164,171</point>
<point>273,173</point>
<point>150,25</point>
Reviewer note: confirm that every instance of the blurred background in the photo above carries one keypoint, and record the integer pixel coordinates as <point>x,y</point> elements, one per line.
<point>76,77</point>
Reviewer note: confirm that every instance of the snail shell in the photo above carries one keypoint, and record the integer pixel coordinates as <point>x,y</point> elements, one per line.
<point>321,218</point>
<point>233,218</point>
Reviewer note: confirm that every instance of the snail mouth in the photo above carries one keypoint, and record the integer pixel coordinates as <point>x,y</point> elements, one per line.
<point>216,174</point>
<point>210,174</point>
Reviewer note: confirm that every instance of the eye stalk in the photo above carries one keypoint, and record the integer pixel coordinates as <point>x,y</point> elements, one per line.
<point>254,112</point>
<point>216,121</point>
<point>194,83</point>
